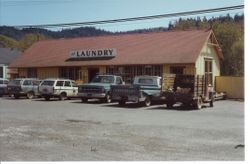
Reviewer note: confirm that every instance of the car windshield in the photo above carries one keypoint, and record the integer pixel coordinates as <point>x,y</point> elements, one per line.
<point>15,82</point>
<point>103,79</point>
<point>48,83</point>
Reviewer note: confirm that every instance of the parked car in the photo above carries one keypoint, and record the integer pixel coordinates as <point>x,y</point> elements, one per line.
<point>143,90</point>
<point>3,86</point>
<point>23,87</point>
<point>59,88</point>
<point>99,88</point>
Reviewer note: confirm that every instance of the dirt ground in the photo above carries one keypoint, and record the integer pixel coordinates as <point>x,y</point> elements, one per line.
<point>37,130</point>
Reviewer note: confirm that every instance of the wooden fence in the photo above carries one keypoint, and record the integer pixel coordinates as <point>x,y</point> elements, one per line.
<point>234,86</point>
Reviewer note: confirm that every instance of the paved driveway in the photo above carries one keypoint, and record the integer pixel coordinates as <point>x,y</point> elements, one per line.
<point>37,130</point>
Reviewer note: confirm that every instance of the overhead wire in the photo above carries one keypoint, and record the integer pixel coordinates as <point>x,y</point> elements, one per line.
<point>112,21</point>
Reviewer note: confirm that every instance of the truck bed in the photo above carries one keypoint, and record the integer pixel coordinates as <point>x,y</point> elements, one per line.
<point>125,90</point>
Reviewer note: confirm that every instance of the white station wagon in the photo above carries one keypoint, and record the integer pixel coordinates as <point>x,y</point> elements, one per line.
<point>60,88</point>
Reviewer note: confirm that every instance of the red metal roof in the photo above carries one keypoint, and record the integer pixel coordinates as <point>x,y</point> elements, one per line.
<point>149,48</point>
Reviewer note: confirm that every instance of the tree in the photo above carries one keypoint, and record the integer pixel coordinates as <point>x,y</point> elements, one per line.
<point>29,39</point>
<point>231,42</point>
<point>238,56</point>
<point>8,42</point>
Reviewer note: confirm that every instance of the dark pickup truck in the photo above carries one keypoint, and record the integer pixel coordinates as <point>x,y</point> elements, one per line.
<point>143,90</point>
<point>99,88</point>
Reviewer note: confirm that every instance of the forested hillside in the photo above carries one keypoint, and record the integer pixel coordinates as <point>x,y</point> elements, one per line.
<point>229,32</point>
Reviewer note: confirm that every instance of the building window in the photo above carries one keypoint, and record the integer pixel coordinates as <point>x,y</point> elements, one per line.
<point>177,69</point>
<point>32,72</point>
<point>209,71</point>
<point>129,72</point>
<point>72,73</point>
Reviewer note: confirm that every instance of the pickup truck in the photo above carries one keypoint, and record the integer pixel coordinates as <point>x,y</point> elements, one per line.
<point>143,90</point>
<point>99,88</point>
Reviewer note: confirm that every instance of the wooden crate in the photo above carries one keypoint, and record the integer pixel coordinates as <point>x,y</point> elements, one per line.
<point>168,81</point>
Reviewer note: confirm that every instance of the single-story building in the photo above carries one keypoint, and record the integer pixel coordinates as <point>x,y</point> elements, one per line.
<point>7,55</point>
<point>156,53</point>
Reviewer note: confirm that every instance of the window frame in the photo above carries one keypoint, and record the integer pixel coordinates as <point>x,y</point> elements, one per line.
<point>58,82</point>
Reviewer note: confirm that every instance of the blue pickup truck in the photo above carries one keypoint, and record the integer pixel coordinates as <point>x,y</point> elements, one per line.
<point>99,88</point>
<point>144,90</point>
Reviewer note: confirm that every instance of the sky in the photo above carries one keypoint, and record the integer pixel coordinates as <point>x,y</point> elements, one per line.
<point>32,12</point>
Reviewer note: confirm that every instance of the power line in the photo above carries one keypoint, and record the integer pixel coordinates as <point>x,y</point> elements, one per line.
<point>91,23</point>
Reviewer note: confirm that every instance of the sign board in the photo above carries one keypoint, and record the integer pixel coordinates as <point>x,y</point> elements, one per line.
<point>94,53</point>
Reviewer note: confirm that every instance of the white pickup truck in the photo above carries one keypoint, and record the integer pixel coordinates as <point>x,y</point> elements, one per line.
<point>143,90</point>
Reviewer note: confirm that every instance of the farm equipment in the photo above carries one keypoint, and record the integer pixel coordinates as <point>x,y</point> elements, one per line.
<point>190,90</point>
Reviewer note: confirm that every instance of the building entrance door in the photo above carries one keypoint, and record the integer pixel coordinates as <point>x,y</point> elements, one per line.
<point>92,72</point>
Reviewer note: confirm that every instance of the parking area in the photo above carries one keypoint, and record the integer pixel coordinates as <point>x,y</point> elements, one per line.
<point>38,130</point>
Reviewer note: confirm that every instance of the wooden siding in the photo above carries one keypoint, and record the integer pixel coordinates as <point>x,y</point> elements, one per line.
<point>189,70</point>
<point>84,76</point>
<point>168,79</point>
<point>234,86</point>
<point>43,73</point>
<point>22,72</point>
<point>208,52</point>
<point>102,69</point>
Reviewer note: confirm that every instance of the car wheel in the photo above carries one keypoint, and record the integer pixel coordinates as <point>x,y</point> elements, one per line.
<point>84,100</point>
<point>147,101</point>
<point>169,105</point>
<point>108,98</point>
<point>16,96</point>
<point>62,96</point>
<point>198,103</point>
<point>211,103</point>
<point>30,95</point>
<point>122,102</point>
<point>47,98</point>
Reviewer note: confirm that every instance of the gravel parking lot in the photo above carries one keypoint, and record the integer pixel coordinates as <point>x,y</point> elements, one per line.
<point>37,130</point>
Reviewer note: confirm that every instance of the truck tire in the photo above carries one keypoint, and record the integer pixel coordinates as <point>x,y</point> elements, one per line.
<point>198,103</point>
<point>47,98</point>
<point>147,101</point>
<point>84,100</point>
<point>122,102</point>
<point>30,95</point>
<point>16,96</point>
<point>107,99</point>
<point>62,96</point>
<point>211,103</point>
<point>169,105</point>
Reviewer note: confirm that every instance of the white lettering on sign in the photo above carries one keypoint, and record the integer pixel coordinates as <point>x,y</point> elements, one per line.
<point>99,53</point>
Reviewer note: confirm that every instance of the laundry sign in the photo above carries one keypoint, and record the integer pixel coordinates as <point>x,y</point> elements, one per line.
<point>95,53</point>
